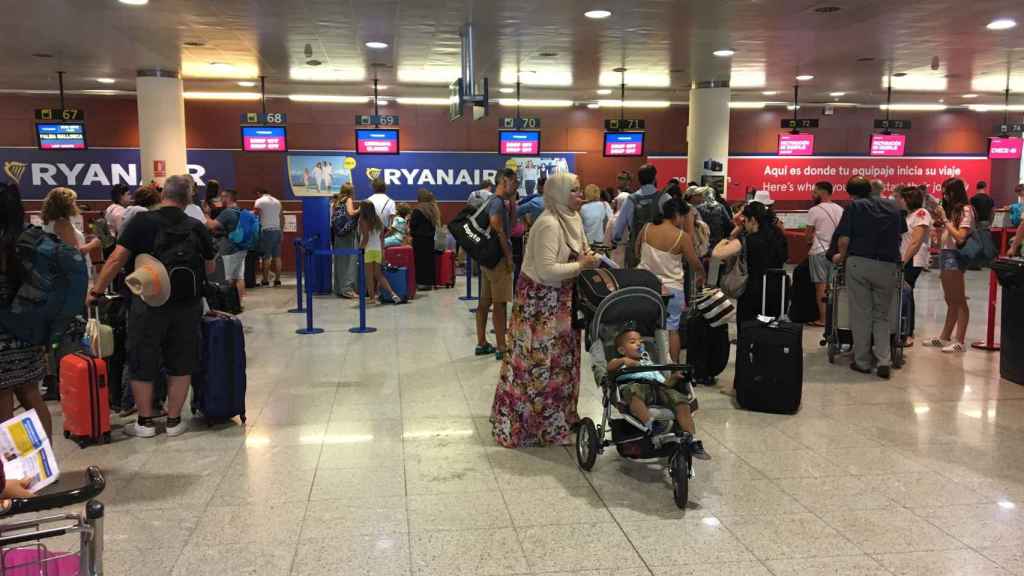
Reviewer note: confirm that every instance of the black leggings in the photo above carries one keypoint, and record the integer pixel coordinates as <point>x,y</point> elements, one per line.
<point>910,275</point>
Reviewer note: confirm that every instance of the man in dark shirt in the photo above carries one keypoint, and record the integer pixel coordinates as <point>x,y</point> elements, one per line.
<point>869,244</point>
<point>983,205</point>
<point>167,336</point>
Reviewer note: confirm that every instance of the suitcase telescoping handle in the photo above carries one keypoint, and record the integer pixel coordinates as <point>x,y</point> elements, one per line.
<point>781,272</point>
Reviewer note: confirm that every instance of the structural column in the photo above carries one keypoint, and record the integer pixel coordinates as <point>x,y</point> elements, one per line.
<point>161,108</point>
<point>707,135</point>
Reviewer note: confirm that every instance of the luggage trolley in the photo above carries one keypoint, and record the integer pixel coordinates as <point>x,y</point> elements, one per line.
<point>838,333</point>
<point>23,551</point>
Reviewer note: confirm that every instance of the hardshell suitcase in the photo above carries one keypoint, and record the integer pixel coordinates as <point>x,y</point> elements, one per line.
<point>218,387</point>
<point>85,399</point>
<point>398,278</point>
<point>770,363</point>
<point>444,264</point>
<point>402,257</point>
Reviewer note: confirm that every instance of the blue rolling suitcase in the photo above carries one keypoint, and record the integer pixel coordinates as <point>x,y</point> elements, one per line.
<point>398,278</point>
<point>218,387</point>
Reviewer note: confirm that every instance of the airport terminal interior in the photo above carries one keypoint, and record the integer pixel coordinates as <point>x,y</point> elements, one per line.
<point>374,438</point>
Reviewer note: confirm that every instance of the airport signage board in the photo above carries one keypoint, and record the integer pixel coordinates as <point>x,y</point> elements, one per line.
<point>622,124</point>
<point>522,123</point>
<point>888,145</point>
<point>796,144</point>
<point>60,115</point>
<point>1004,148</point>
<point>61,136</point>
<point>519,142</point>
<point>891,124</point>
<point>798,123</point>
<point>264,139</point>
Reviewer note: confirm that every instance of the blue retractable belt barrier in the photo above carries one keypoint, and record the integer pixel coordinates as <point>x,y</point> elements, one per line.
<point>362,328</point>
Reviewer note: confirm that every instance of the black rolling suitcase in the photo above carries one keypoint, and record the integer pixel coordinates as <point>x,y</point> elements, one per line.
<point>252,259</point>
<point>804,306</point>
<point>707,347</point>
<point>770,361</point>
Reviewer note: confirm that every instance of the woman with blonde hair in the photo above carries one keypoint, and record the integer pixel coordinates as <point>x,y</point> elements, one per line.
<point>59,208</point>
<point>344,219</point>
<point>535,400</point>
<point>596,214</point>
<point>423,224</point>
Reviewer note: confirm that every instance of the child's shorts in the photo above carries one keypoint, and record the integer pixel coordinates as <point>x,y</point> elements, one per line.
<point>652,393</point>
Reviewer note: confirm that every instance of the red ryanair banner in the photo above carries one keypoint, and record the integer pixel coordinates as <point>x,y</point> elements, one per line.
<point>790,178</point>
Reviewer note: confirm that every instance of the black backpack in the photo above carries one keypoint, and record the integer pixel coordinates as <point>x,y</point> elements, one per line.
<point>177,248</point>
<point>645,209</point>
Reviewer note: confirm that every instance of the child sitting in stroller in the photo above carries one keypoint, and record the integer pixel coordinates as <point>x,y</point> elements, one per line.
<point>639,389</point>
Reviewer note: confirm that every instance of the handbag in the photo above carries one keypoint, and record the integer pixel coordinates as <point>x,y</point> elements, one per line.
<point>99,337</point>
<point>440,239</point>
<point>978,248</point>
<point>472,231</point>
<point>733,280</point>
<point>715,307</point>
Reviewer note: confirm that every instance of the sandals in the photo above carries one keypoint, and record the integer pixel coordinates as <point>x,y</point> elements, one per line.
<point>935,343</point>
<point>953,348</point>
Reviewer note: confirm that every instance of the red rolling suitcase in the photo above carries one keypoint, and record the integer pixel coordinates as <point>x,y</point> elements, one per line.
<point>85,399</point>
<point>402,257</point>
<point>444,264</point>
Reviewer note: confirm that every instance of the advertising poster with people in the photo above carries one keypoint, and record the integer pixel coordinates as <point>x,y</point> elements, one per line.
<point>319,175</point>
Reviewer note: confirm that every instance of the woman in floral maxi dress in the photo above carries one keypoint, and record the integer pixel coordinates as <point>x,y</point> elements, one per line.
<point>535,401</point>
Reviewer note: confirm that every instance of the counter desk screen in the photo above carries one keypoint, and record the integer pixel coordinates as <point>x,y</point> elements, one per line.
<point>624,143</point>
<point>376,141</point>
<point>796,144</point>
<point>1005,148</point>
<point>61,136</point>
<point>888,144</point>
<point>264,139</point>
<point>519,142</point>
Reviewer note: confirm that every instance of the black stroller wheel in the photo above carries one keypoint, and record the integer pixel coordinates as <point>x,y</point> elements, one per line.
<point>831,353</point>
<point>679,469</point>
<point>587,444</point>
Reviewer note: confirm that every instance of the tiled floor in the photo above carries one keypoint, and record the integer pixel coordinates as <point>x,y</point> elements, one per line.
<point>371,454</point>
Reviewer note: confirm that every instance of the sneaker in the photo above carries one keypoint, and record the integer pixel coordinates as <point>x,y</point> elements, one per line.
<point>265,283</point>
<point>697,450</point>
<point>856,368</point>
<point>884,372</point>
<point>953,348</point>
<point>140,430</point>
<point>935,343</point>
<point>396,298</point>
<point>176,429</point>
<point>486,350</point>
<point>277,282</point>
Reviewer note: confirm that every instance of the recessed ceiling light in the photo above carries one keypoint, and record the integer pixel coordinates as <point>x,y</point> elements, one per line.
<point>246,83</point>
<point>377,45</point>
<point>593,106</point>
<point>805,77</point>
<point>106,80</point>
<point>1001,24</point>
<point>134,2</point>
<point>770,92</point>
<point>969,96</point>
<point>837,94</point>
<point>221,66</point>
<point>604,91</point>
<point>194,43</point>
<point>724,53</point>
<point>506,90</point>
<point>597,14</point>
<point>942,100</point>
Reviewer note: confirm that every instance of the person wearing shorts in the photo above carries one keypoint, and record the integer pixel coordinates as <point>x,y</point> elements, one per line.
<point>822,220</point>
<point>268,209</point>
<point>232,256</point>
<point>496,282</point>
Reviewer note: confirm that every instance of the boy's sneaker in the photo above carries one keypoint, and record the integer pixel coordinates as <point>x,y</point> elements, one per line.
<point>884,372</point>
<point>499,355</point>
<point>486,350</point>
<point>697,450</point>
<point>176,428</point>
<point>140,430</point>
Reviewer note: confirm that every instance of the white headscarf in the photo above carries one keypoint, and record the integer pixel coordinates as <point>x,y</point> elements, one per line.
<point>557,195</point>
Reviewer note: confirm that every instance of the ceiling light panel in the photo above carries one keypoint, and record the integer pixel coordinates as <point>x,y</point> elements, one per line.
<point>914,107</point>
<point>217,70</point>
<point>199,95</point>
<point>638,79</point>
<point>333,98</point>
<point>634,103</point>
<point>745,78</point>
<point>918,82</point>
<point>535,103</point>
<point>537,77</point>
<point>747,105</point>
<point>308,74</point>
<point>431,75</point>
<point>416,101</point>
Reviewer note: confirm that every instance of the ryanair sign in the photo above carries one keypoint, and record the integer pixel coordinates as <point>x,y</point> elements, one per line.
<point>91,173</point>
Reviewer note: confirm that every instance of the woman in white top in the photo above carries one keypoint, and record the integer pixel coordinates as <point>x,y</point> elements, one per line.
<point>955,217</point>
<point>915,244</point>
<point>661,247</point>
<point>59,207</point>
<point>535,401</point>
<point>595,213</point>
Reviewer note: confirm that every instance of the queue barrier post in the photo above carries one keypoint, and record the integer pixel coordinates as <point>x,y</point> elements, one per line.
<point>298,277</point>
<point>989,344</point>
<point>362,328</point>
<point>469,282</point>
<point>309,329</point>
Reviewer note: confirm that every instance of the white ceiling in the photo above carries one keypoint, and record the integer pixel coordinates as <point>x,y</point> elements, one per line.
<point>664,43</point>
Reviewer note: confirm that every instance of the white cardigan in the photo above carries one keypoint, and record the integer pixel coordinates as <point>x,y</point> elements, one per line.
<point>547,254</point>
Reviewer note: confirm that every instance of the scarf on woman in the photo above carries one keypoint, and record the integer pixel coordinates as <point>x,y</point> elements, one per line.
<point>428,206</point>
<point>557,194</point>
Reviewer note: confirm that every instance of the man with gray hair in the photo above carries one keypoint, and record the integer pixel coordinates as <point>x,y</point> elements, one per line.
<point>163,329</point>
<point>877,189</point>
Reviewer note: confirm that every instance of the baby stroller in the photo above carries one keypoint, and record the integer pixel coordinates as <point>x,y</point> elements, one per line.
<point>23,551</point>
<point>838,336</point>
<point>642,309</point>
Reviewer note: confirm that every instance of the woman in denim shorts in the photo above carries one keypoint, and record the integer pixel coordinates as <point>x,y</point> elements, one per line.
<point>955,218</point>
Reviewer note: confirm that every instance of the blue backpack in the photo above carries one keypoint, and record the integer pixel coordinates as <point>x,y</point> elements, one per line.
<point>246,235</point>
<point>52,293</point>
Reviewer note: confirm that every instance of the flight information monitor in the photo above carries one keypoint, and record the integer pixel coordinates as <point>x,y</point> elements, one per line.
<point>624,143</point>
<point>796,144</point>
<point>264,139</point>
<point>61,136</point>
<point>373,141</point>
<point>1004,148</point>
<point>888,144</point>
<point>519,142</point>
